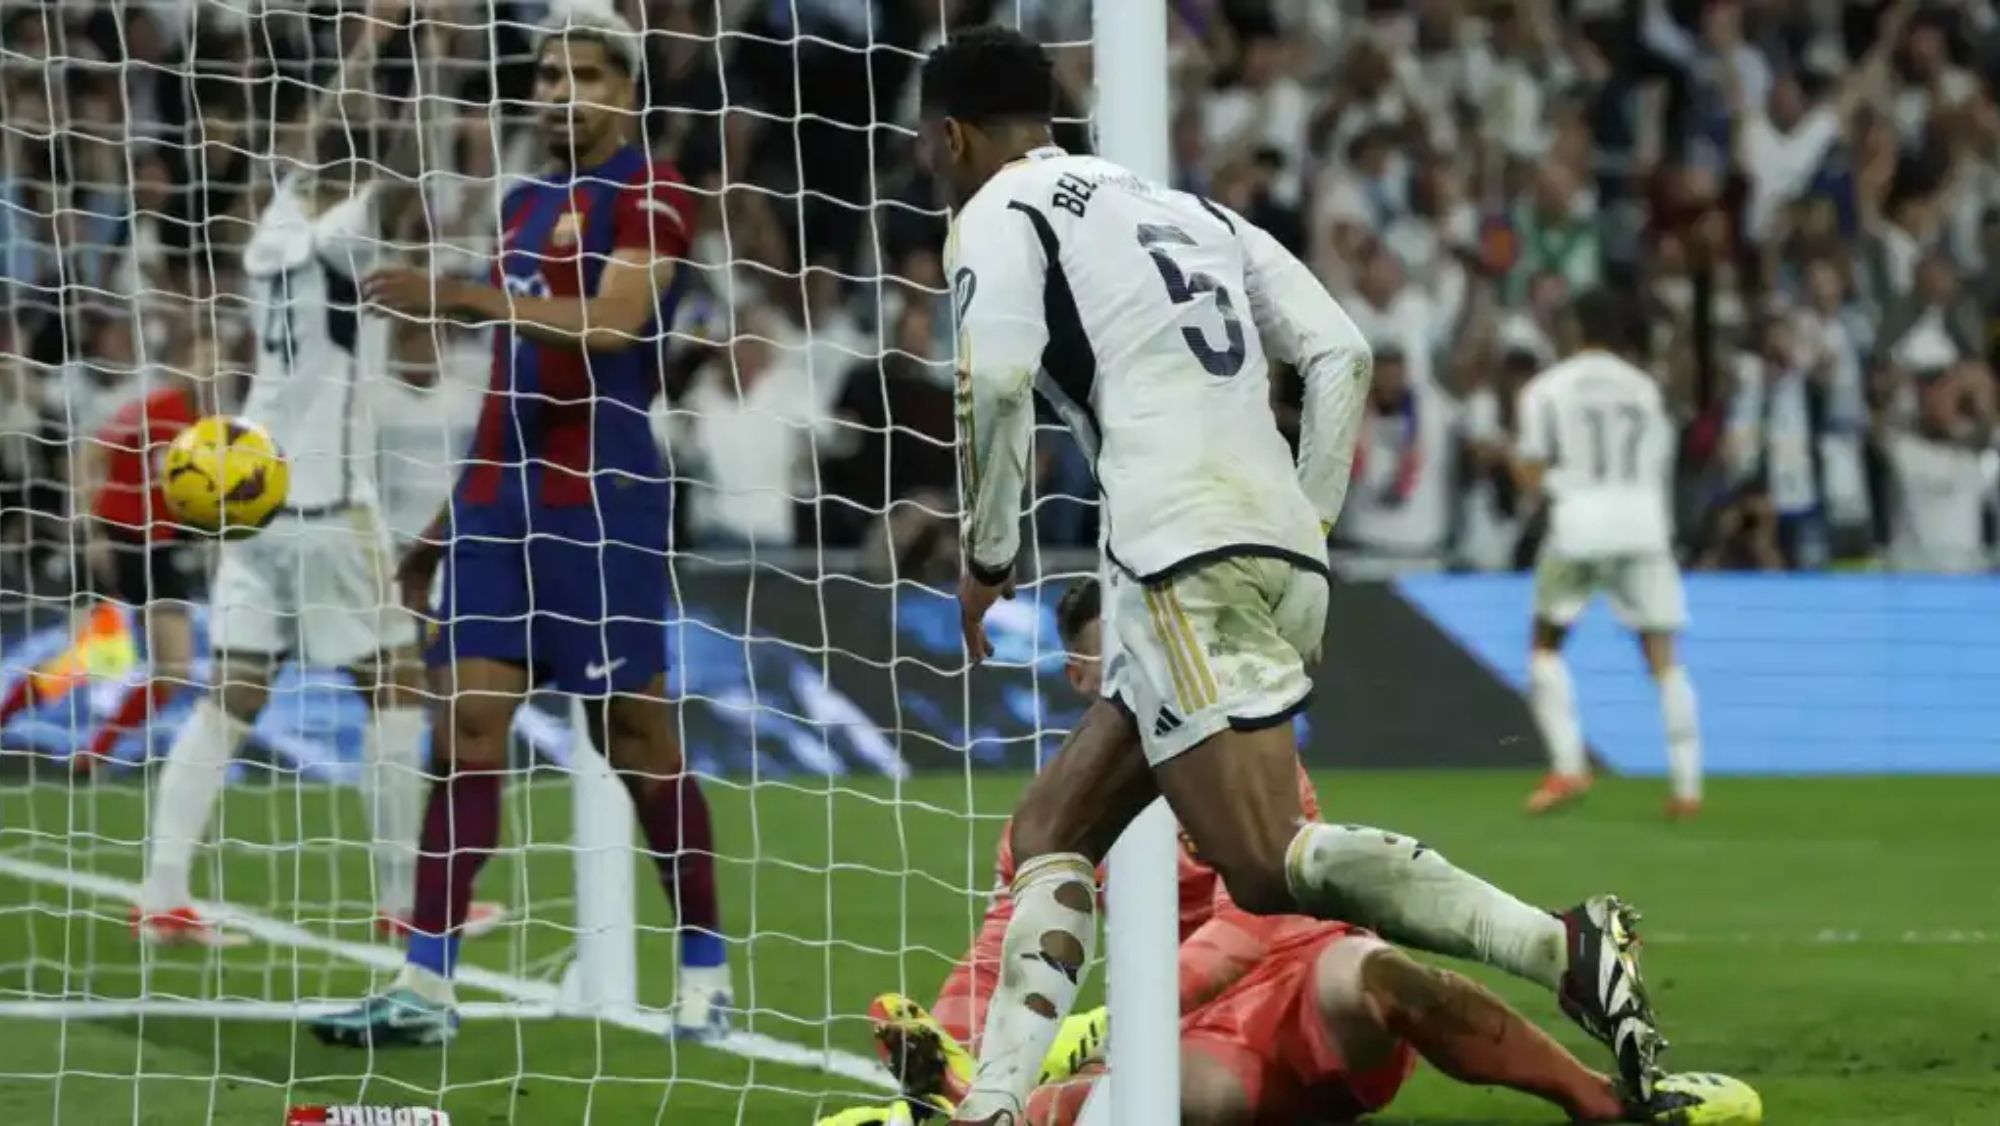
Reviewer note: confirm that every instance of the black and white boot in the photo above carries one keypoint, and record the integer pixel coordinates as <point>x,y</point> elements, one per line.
<point>1602,990</point>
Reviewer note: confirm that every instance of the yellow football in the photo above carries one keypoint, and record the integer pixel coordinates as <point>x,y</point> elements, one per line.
<point>226,476</point>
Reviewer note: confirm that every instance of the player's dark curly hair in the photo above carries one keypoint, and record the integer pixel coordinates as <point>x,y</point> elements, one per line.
<point>1080,605</point>
<point>1604,320</point>
<point>989,74</point>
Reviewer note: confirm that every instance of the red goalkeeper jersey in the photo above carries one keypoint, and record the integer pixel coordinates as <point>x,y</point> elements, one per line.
<point>133,497</point>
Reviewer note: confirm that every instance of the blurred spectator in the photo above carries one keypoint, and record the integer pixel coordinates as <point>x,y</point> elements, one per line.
<point>1400,505</point>
<point>888,485</point>
<point>1798,196</point>
<point>1397,313</point>
<point>1490,524</point>
<point>1263,113</point>
<point>1772,440</point>
<point>1558,232</point>
<point>752,421</point>
<point>1942,473</point>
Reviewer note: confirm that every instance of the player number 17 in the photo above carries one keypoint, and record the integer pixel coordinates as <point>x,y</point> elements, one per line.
<point>1183,287</point>
<point>1599,421</point>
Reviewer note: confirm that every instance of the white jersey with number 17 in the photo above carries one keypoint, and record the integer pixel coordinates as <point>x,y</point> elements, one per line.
<point>1600,427</point>
<point>1143,315</point>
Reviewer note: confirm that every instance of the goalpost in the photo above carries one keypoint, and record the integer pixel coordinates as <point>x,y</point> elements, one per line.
<point>1142,901</point>
<point>858,779</point>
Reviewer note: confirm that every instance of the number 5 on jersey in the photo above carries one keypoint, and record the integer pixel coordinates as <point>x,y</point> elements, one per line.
<point>1183,287</point>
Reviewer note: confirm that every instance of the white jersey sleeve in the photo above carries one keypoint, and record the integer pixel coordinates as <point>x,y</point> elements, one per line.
<point>998,274</point>
<point>1149,349</point>
<point>1600,428</point>
<point>1302,325</point>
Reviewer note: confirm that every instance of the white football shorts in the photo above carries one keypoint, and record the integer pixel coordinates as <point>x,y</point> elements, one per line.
<point>1644,590</point>
<point>1221,646</point>
<point>321,588</point>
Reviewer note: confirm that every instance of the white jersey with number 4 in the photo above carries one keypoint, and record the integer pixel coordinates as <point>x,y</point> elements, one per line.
<point>313,345</point>
<point>1600,427</point>
<point>1143,316</point>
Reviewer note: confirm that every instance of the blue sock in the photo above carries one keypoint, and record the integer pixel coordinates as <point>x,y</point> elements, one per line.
<point>434,952</point>
<point>700,949</point>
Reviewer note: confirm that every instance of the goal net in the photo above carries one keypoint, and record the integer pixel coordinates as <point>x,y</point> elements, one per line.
<point>857,774</point>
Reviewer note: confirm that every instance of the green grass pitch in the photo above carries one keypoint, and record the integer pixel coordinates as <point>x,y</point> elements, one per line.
<point>1836,943</point>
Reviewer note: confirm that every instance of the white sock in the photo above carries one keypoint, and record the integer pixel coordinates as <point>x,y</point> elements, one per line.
<point>184,798</point>
<point>428,984</point>
<point>1046,950</point>
<point>1553,701</point>
<point>1412,896</point>
<point>1683,723</point>
<point>392,792</point>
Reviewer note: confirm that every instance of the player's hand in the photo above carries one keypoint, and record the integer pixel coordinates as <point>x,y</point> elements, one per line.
<point>415,571</point>
<point>974,599</point>
<point>409,291</point>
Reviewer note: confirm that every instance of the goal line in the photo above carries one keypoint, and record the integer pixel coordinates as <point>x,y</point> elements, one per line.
<point>524,998</point>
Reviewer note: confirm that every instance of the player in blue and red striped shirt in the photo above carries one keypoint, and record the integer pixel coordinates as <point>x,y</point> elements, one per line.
<point>553,543</point>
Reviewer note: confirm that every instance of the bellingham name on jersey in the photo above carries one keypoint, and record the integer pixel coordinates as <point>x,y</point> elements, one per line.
<point>563,426</point>
<point>1146,318</point>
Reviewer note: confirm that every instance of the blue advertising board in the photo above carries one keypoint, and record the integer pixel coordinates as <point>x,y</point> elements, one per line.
<point>779,676</point>
<point>1797,674</point>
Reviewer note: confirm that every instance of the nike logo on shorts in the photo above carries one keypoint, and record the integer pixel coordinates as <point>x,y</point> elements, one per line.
<point>595,671</point>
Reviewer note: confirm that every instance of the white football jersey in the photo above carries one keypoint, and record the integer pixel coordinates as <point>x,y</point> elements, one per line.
<point>1600,426</point>
<point>1143,316</point>
<point>314,346</point>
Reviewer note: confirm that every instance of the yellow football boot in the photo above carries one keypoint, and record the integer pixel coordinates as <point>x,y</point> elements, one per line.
<point>1701,1099</point>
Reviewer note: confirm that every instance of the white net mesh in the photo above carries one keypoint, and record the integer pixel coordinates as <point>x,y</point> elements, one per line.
<point>853,770</point>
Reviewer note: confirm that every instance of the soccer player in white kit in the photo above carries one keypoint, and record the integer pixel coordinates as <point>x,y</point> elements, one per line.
<point>1597,443</point>
<point>318,582</point>
<point>1147,317</point>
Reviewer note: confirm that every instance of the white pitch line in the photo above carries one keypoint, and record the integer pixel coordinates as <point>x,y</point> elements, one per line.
<point>1829,937</point>
<point>162,1008</point>
<point>535,998</point>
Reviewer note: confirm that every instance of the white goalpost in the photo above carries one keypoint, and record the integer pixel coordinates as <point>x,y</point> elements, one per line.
<point>858,773</point>
<point>1142,901</point>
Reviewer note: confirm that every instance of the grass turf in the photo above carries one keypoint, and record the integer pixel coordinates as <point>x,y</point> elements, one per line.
<point>1830,941</point>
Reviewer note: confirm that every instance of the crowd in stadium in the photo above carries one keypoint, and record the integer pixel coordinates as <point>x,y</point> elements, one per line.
<point>1801,196</point>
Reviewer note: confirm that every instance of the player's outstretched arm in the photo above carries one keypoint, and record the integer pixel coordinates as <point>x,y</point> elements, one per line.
<point>1302,325</point>
<point>611,320</point>
<point>652,225</point>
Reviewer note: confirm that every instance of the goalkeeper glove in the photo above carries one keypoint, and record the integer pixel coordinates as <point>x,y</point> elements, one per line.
<point>1080,1041</point>
<point>926,1059</point>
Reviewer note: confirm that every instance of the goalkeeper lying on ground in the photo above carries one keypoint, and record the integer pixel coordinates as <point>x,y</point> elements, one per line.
<point>1286,1019</point>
